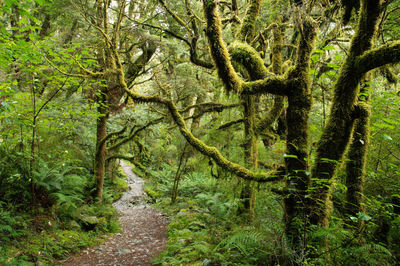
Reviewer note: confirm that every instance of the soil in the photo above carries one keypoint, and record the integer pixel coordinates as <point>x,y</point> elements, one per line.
<point>143,235</point>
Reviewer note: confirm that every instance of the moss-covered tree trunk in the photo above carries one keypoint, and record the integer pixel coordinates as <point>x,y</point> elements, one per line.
<point>337,132</point>
<point>248,193</point>
<point>250,146</point>
<point>306,202</point>
<point>296,160</point>
<point>100,154</point>
<point>357,159</point>
<point>355,167</point>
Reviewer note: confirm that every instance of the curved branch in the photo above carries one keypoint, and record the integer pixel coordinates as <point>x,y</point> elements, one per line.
<point>249,58</point>
<point>109,136</point>
<point>231,80</point>
<point>275,85</point>
<point>132,135</point>
<point>383,55</point>
<point>246,33</point>
<point>219,51</point>
<point>203,148</point>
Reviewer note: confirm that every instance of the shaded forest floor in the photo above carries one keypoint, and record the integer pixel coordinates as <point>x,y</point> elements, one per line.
<point>143,233</point>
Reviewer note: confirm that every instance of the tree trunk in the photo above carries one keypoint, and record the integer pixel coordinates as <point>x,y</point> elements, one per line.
<point>100,156</point>
<point>296,159</point>
<point>337,132</point>
<point>357,159</point>
<point>248,193</point>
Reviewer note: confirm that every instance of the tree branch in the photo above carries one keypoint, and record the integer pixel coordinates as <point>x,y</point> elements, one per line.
<point>383,55</point>
<point>246,33</point>
<point>275,85</point>
<point>135,133</point>
<point>176,17</point>
<point>219,51</point>
<point>210,106</point>
<point>109,136</point>
<point>206,150</point>
<point>231,123</point>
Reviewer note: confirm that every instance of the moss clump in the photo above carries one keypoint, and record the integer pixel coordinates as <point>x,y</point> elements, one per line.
<point>249,58</point>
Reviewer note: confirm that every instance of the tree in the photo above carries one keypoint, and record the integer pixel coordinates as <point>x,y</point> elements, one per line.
<point>307,187</point>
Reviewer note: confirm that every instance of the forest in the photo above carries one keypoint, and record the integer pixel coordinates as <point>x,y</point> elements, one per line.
<point>266,132</point>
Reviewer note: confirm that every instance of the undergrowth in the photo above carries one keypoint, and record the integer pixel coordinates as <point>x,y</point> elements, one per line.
<point>65,220</point>
<point>205,228</point>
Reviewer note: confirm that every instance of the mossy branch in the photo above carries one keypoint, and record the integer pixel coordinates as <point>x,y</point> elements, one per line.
<point>139,64</point>
<point>194,58</point>
<point>231,123</point>
<point>122,157</point>
<point>383,55</point>
<point>203,148</point>
<point>176,17</point>
<point>249,58</point>
<point>217,107</point>
<point>246,33</point>
<point>275,85</point>
<point>135,133</point>
<point>277,59</point>
<point>109,136</point>
<point>219,51</point>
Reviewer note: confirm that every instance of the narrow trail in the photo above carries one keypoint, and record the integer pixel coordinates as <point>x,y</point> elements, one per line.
<point>143,233</point>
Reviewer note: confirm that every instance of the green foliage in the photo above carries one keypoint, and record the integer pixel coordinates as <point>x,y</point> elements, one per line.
<point>246,244</point>
<point>11,226</point>
<point>14,181</point>
<point>46,248</point>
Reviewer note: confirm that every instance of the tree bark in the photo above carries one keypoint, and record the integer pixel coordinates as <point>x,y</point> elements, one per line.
<point>100,155</point>
<point>337,132</point>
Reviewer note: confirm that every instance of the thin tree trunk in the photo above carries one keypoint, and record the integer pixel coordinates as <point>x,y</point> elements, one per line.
<point>357,159</point>
<point>100,156</point>
<point>33,155</point>
<point>182,161</point>
<point>247,194</point>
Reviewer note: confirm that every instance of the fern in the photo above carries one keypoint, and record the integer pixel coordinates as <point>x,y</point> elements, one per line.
<point>246,242</point>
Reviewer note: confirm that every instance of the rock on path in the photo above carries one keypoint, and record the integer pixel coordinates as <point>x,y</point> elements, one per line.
<point>143,233</point>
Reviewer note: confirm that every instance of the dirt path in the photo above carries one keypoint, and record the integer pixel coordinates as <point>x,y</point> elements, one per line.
<point>143,233</point>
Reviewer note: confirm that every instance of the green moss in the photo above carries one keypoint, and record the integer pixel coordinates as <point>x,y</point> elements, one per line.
<point>218,49</point>
<point>357,155</point>
<point>250,59</point>
<point>247,29</point>
<point>337,132</point>
<point>48,246</point>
